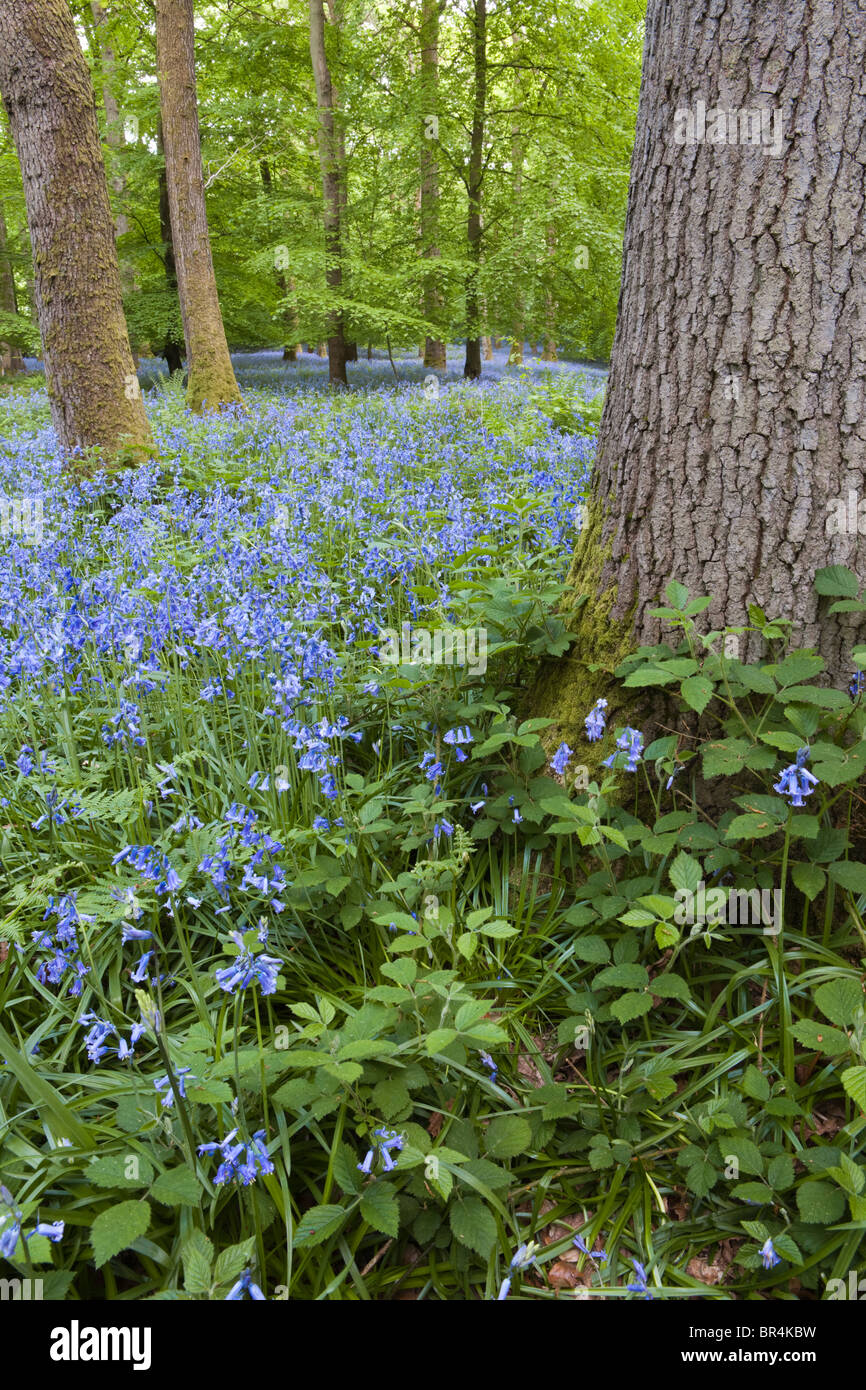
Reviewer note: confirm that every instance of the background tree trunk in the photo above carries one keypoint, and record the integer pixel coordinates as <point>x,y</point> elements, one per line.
<point>10,357</point>
<point>212,383</point>
<point>735,407</point>
<point>285,284</point>
<point>48,95</point>
<point>434,348</point>
<point>515,352</point>
<point>114,136</point>
<point>472,364</point>
<point>333,175</point>
<point>172,348</point>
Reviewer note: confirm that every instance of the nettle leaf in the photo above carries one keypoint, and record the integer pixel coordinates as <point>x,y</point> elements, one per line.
<point>850,875</point>
<point>630,1007</point>
<point>755,1084</point>
<point>820,1203</point>
<point>745,1151</point>
<point>697,692</point>
<point>701,1178</point>
<point>391,1098</point>
<point>380,1208</point>
<point>723,759</point>
<point>686,872</point>
<point>670,986</point>
<point>474,1225</point>
<point>177,1187</point>
<point>837,581</point>
<point>809,879</point>
<point>751,827</point>
<point>621,976</point>
<point>821,1037</point>
<point>197,1256</point>
<point>318,1224</point>
<point>592,949</point>
<point>840,1000</point>
<point>854,1081</point>
<point>120,1170</point>
<point>233,1260</point>
<point>508,1136</point>
<point>116,1229</point>
<point>780,1174</point>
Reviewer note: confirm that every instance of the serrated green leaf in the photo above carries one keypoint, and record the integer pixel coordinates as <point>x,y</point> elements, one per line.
<point>380,1208</point>
<point>508,1136</point>
<point>116,1229</point>
<point>474,1226</point>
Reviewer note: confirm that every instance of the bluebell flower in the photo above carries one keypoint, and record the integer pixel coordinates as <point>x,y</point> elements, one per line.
<point>597,1256</point>
<point>245,968</point>
<point>163,1083</point>
<point>640,1285</point>
<point>858,684</point>
<point>523,1257</point>
<point>595,721</point>
<point>796,781</point>
<point>629,742</point>
<point>384,1140</point>
<point>245,1285</point>
<point>490,1064</point>
<point>559,761</point>
<point>769,1255</point>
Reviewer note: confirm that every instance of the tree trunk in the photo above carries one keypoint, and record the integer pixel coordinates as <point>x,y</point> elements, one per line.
<point>48,95</point>
<point>212,383</point>
<point>333,177</point>
<point>434,348</point>
<point>549,352</point>
<point>472,364</point>
<point>114,136</point>
<point>10,357</point>
<point>487,344</point>
<point>734,418</point>
<point>289,313</point>
<point>515,354</point>
<point>172,346</point>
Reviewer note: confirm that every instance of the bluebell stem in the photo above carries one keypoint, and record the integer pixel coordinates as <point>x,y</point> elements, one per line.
<point>523,1257</point>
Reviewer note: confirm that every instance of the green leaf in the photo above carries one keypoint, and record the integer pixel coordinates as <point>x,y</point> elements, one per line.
<point>670,986</point>
<point>697,692</point>
<point>854,1081</point>
<point>819,1203</point>
<point>233,1260</point>
<point>780,1174</point>
<point>439,1039</point>
<point>685,872</point>
<point>666,935</point>
<point>621,976</point>
<point>837,581</point>
<point>474,1226</point>
<point>849,875</point>
<point>380,1208</point>
<point>631,1006</point>
<point>751,827</point>
<point>809,879</point>
<point>592,949</point>
<point>840,1000</point>
<point>177,1187</point>
<point>745,1151</point>
<point>115,1229</point>
<point>318,1224</point>
<point>755,1084</point>
<point>116,1171</point>
<point>508,1136</point>
<point>821,1037</point>
<point>724,758</point>
<point>197,1255</point>
<point>391,1098</point>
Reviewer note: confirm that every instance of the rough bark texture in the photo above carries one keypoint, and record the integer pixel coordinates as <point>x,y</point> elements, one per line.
<point>48,96</point>
<point>172,348</point>
<point>332,166</point>
<point>735,407</point>
<point>212,383</point>
<point>434,348</point>
<point>10,357</point>
<point>472,364</point>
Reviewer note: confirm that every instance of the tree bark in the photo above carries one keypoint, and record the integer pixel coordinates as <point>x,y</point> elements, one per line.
<point>735,407</point>
<point>48,95</point>
<point>172,347</point>
<point>11,359</point>
<point>472,364</point>
<point>285,284</point>
<point>515,353</point>
<point>434,348</point>
<point>333,192</point>
<point>212,383</point>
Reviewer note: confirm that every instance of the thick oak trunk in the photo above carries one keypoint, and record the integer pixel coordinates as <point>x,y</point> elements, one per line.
<point>735,408</point>
<point>472,364</point>
<point>332,166</point>
<point>212,383</point>
<point>48,95</point>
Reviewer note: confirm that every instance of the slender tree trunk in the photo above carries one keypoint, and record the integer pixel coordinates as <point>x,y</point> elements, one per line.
<point>286,285</point>
<point>212,383</point>
<point>434,348</point>
<point>549,353</point>
<point>734,419</point>
<point>472,364</point>
<point>333,176</point>
<point>48,95</point>
<point>10,357</point>
<point>515,354</point>
<point>114,137</point>
<point>172,346</point>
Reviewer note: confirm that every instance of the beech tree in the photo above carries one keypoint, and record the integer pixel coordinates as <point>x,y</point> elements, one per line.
<point>333,168</point>
<point>734,419</point>
<point>212,383</point>
<point>48,95</point>
<point>434,348</point>
<point>474,181</point>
